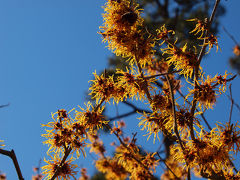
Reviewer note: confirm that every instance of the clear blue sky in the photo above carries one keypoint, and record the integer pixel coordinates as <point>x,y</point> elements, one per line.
<point>48,52</point>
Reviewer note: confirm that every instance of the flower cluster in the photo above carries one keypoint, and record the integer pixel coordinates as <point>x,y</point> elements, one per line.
<point>210,153</point>
<point>202,28</point>
<point>208,88</point>
<point>124,32</point>
<point>156,80</point>
<point>67,136</point>
<point>181,58</point>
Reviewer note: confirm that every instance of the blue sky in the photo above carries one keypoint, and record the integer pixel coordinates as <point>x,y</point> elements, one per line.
<point>48,52</point>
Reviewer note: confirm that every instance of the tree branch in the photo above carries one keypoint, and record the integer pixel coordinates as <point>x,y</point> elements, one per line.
<point>12,155</point>
<point>231,108</point>
<point>174,113</point>
<point>198,64</point>
<point>67,152</point>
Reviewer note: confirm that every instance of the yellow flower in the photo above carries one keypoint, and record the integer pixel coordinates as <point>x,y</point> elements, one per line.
<point>161,102</point>
<point>1,145</point>
<point>163,34</point>
<point>122,22</point>
<point>174,167</point>
<point>105,88</point>
<point>65,170</point>
<point>91,118</point>
<point>112,168</point>
<point>183,60</point>
<point>236,50</point>
<point>229,174</point>
<point>155,122</point>
<point>201,27</point>
<point>205,153</point>
<point>150,161</point>
<point>210,41</point>
<point>133,83</point>
<point>122,15</point>
<point>156,67</point>
<point>96,145</point>
<point>58,133</point>
<point>102,87</point>
<point>84,175</point>
<point>63,132</point>
<point>207,91</point>
<point>230,136</point>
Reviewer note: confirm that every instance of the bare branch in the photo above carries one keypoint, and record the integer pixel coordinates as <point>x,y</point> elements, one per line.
<point>196,72</point>
<point>162,74</point>
<point>238,107</point>
<point>174,113</point>
<point>202,115</point>
<point>67,152</point>
<point>231,36</point>
<point>12,155</point>
<point>125,146</point>
<point>177,178</point>
<point>5,105</point>
<point>231,108</point>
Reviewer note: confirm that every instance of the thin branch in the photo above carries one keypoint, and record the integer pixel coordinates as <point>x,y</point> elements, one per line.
<point>130,104</point>
<point>209,25</point>
<point>234,103</point>
<point>226,80</point>
<point>67,152</point>
<point>159,4</point>
<point>145,82</point>
<point>231,36</point>
<point>98,105</point>
<point>188,173</point>
<point>5,105</point>
<point>202,115</point>
<point>231,109</point>
<point>196,72</point>
<point>122,116</point>
<point>174,113</point>
<point>135,107</point>
<point>134,111</point>
<point>177,178</point>
<point>12,155</point>
<point>175,123</point>
<point>125,146</point>
<point>162,74</point>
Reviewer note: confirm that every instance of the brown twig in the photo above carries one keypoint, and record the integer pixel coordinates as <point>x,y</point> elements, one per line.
<point>5,105</point>
<point>177,178</point>
<point>174,113</point>
<point>134,111</point>
<point>98,105</point>
<point>196,72</point>
<point>162,74</point>
<point>202,115</point>
<point>135,107</point>
<point>125,146</point>
<point>145,82</point>
<point>12,155</point>
<point>67,152</point>
<point>238,107</point>
<point>175,122</point>
<point>231,108</point>
<point>208,26</point>
<point>231,36</point>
